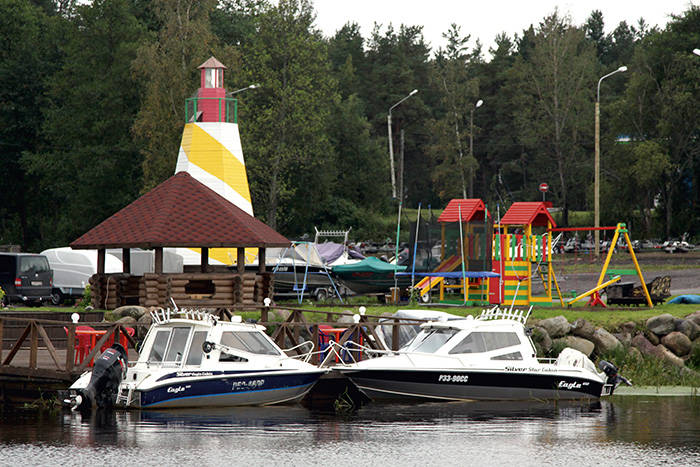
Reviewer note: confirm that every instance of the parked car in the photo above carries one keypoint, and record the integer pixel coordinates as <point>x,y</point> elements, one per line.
<point>72,270</point>
<point>25,278</point>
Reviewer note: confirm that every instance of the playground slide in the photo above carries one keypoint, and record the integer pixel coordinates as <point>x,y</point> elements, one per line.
<point>427,283</point>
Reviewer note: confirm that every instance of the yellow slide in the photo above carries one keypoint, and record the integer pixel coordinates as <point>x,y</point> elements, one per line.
<point>427,283</point>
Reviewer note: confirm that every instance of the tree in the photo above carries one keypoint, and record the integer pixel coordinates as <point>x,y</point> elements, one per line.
<point>290,160</point>
<point>92,102</point>
<point>168,70</point>
<point>455,166</point>
<point>556,82</point>
<point>27,57</point>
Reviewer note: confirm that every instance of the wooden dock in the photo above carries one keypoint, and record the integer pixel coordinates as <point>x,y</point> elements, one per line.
<point>37,356</point>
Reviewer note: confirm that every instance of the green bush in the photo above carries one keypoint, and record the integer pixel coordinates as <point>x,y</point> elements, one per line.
<point>87,297</point>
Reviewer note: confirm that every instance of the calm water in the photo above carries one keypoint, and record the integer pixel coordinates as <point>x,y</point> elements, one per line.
<point>626,430</point>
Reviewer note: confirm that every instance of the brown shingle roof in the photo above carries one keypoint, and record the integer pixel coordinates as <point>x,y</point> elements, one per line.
<point>180,212</point>
<point>211,63</point>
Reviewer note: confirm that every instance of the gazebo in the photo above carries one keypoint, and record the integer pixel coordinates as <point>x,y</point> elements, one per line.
<point>181,212</point>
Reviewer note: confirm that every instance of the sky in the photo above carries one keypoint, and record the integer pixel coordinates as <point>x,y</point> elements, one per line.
<point>484,19</point>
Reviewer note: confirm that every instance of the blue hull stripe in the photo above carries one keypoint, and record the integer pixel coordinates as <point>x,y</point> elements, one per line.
<point>224,394</point>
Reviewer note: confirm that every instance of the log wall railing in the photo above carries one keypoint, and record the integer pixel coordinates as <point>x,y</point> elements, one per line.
<point>110,291</point>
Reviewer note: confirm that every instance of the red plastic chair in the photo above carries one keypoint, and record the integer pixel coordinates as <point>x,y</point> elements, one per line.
<point>122,339</point>
<point>83,343</point>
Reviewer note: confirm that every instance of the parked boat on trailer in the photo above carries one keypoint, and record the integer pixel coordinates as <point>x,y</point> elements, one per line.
<point>192,359</point>
<point>488,358</point>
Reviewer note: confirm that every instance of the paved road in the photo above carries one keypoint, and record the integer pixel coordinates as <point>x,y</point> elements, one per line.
<point>683,281</point>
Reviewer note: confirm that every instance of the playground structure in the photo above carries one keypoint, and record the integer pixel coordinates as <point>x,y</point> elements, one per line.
<point>465,251</point>
<point>500,262</point>
<point>522,250</point>
<point>594,293</point>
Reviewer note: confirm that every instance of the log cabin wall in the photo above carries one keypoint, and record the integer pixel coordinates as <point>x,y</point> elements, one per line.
<point>110,291</point>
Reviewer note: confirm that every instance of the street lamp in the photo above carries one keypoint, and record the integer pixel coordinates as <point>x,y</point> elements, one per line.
<point>597,163</point>
<point>252,86</point>
<point>478,104</point>
<point>391,144</point>
<point>696,51</point>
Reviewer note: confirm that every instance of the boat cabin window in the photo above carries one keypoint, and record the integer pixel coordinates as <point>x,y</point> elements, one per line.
<point>178,341</point>
<point>160,342</point>
<point>251,342</point>
<point>194,356</point>
<point>509,356</point>
<point>430,340</point>
<point>478,342</point>
<point>169,345</point>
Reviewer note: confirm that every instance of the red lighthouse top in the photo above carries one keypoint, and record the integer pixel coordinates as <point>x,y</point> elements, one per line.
<point>211,94</point>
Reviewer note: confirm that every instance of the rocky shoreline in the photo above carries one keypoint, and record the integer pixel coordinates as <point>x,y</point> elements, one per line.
<point>665,337</point>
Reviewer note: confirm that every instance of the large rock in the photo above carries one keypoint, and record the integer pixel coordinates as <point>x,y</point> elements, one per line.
<point>582,328</point>
<point>144,324</point>
<point>635,354</point>
<point>604,341</point>
<point>582,345</point>
<point>540,337</point>
<point>556,327</point>
<point>661,325</point>
<point>129,310</point>
<point>688,327</point>
<point>668,356</point>
<point>653,338</point>
<point>694,317</point>
<point>677,342</point>
<point>623,337</point>
<point>629,327</point>
<point>643,345</point>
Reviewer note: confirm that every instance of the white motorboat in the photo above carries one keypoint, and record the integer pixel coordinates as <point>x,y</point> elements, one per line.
<point>490,357</point>
<point>192,359</point>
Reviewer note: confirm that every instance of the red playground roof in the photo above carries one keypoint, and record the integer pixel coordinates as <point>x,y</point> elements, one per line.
<point>528,212</point>
<point>471,209</point>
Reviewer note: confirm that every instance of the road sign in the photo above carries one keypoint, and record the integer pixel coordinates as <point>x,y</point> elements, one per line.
<point>544,187</point>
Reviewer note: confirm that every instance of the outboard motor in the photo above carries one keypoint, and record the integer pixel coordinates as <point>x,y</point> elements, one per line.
<point>108,372</point>
<point>611,372</point>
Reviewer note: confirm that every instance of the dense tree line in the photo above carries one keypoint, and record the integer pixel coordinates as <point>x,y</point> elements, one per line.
<point>92,97</point>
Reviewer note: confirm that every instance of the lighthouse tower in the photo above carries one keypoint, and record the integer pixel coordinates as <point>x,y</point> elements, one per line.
<point>210,150</point>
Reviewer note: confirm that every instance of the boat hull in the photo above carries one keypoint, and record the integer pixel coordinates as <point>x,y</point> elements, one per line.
<point>455,385</point>
<point>204,389</point>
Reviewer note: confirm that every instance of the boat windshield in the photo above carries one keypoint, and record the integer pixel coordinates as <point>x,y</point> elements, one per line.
<point>247,341</point>
<point>430,340</point>
<point>169,345</point>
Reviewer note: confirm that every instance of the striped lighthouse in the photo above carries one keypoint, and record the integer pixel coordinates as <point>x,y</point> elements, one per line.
<point>210,150</point>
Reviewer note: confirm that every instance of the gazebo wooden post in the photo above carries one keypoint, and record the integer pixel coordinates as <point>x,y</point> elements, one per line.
<point>101,252</point>
<point>158,267</point>
<point>126,260</point>
<point>204,259</point>
<point>240,260</point>
<point>261,260</point>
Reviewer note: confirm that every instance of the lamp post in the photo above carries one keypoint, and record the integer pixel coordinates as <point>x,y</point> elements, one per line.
<point>596,201</point>
<point>252,86</point>
<point>478,104</point>
<point>391,144</point>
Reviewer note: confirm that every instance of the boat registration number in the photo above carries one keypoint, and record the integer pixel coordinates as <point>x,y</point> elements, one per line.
<point>453,378</point>
<point>249,384</point>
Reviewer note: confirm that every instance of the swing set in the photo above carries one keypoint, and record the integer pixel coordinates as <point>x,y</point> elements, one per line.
<point>594,293</point>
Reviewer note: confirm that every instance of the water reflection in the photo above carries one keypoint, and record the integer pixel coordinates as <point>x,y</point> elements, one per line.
<point>624,431</point>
